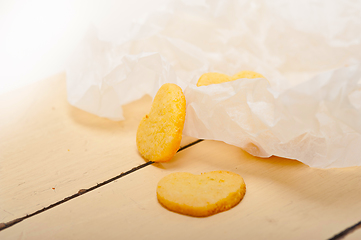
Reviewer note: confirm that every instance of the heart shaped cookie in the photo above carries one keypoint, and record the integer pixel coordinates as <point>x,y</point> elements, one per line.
<point>201,195</point>
<point>214,78</point>
<point>160,132</point>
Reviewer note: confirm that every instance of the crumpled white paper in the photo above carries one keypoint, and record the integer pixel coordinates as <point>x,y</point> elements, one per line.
<point>308,109</point>
<point>314,122</point>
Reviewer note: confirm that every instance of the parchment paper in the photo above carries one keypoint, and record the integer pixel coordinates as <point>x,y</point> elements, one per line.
<point>308,108</point>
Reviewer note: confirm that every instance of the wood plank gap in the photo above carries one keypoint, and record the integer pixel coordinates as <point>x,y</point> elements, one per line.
<point>189,145</point>
<point>82,191</point>
<point>347,231</point>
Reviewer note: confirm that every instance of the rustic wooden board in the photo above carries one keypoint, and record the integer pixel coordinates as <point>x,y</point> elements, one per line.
<point>285,199</point>
<point>50,150</point>
<point>355,235</point>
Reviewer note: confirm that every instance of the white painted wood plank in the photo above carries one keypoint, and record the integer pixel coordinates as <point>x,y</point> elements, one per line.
<point>353,235</point>
<point>285,199</point>
<point>50,150</point>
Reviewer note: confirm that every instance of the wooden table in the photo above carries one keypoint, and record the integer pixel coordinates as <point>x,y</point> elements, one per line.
<point>67,174</point>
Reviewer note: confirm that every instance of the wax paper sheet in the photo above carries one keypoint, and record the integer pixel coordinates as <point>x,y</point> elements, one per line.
<point>308,107</point>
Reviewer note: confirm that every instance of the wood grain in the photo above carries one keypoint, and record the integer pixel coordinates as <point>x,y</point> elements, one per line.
<point>50,149</point>
<point>285,199</point>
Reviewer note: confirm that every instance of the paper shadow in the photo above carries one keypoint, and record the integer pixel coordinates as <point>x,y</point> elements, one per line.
<point>133,112</point>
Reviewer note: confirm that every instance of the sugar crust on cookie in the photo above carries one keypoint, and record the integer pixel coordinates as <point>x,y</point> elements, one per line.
<point>215,78</point>
<point>160,132</point>
<point>201,195</point>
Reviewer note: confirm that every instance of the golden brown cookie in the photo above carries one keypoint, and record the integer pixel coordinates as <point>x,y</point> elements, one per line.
<point>160,132</point>
<point>214,78</point>
<point>201,195</point>
<point>246,74</point>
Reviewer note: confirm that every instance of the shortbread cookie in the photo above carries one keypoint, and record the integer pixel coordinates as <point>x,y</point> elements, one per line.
<point>214,78</point>
<point>246,74</point>
<point>201,195</point>
<point>160,132</point>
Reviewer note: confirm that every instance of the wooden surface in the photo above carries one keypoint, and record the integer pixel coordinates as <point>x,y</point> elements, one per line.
<point>354,235</point>
<point>50,150</point>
